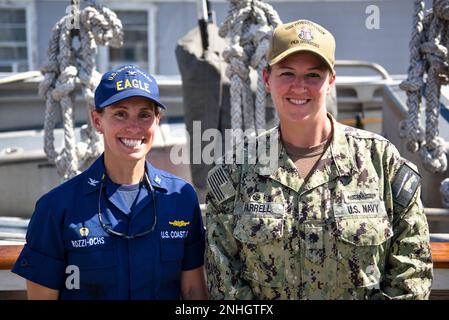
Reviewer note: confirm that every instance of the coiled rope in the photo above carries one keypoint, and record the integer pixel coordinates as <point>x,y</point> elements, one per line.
<point>66,65</point>
<point>248,25</point>
<point>428,60</point>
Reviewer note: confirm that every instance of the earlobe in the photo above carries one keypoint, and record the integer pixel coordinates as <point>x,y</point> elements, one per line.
<point>96,121</point>
<point>266,81</point>
<point>331,83</point>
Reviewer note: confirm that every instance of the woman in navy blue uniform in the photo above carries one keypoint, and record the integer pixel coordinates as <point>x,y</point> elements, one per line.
<point>122,229</point>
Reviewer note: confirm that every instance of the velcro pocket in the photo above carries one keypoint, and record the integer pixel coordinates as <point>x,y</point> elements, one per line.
<point>258,229</point>
<point>361,249</point>
<point>98,273</point>
<point>363,230</point>
<point>262,253</point>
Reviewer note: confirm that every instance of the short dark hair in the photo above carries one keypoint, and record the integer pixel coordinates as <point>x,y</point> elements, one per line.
<point>268,67</point>
<point>157,110</point>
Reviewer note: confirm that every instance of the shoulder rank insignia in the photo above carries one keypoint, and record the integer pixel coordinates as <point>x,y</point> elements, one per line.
<point>220,185</point>
<point>404,185</point>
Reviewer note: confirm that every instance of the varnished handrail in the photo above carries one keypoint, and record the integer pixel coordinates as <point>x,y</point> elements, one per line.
<point>437,214</point>
<point>440,255</point>
<point>8,255</point>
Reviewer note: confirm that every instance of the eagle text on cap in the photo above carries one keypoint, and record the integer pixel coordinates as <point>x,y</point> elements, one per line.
<point>134,83</point>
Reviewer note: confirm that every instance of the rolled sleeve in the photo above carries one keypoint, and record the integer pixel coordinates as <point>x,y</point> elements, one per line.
<point>42,258</point>
<point>39,268</point>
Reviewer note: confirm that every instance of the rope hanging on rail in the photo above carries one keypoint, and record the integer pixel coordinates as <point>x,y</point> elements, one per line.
<point>428,71</point>
<point>66,64</point>
<point>248,25</point>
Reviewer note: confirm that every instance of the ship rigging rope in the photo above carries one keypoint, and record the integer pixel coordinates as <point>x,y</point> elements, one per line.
<point>66,64</point>
<point>248,25</point>
<point>428,71</point>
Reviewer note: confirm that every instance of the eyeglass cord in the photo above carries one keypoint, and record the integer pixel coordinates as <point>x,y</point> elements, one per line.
<point>112,232</point>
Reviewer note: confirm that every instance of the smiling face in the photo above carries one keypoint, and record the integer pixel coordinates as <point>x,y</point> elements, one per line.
<point>298,86</point>
<point>128,128</point>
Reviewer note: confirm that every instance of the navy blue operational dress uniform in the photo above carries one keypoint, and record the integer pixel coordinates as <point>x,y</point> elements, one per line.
<point>120,252</point>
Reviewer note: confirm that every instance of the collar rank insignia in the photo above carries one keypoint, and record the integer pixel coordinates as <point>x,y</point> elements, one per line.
<point>179,223</point>
<point>93,182</point>
<point>157,180</point>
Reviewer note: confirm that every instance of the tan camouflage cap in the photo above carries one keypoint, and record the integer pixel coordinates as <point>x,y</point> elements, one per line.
<point>301,35</point>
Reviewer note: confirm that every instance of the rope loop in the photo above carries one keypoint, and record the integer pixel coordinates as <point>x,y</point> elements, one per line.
<point>428,71</point>
<point>67,66</point>
<point>434,156</point>
<point>248,25</point>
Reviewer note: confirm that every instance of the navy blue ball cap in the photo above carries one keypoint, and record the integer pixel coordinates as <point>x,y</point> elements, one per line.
<point>125,82</point>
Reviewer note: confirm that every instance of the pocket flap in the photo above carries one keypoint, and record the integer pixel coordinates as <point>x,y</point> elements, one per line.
<point>258,229</point>
<point>364,231</point>
<point>97,259</point>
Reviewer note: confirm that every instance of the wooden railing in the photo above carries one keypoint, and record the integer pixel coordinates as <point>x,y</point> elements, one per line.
<point>9,254</point>
<point>440,255</point>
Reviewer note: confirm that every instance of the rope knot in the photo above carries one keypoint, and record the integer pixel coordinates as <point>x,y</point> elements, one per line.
<point>236,57</point>
<point>65,83</point>
<point>414,135</point>
<point>65,65</point>
<point>442,9</point>
<point>427,72</point>
<point>412,85</point>
<point>261,40</point>
<point>248,25</point>
<point>434,156</point>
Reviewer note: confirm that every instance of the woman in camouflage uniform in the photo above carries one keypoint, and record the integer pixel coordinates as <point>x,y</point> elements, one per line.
<point>336,214</point>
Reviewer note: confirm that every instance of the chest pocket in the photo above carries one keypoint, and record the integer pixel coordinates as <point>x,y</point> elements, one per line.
<point>97,271</point>
<point>261,239</point>
<point>361,244</point>
<point>172,251</point>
